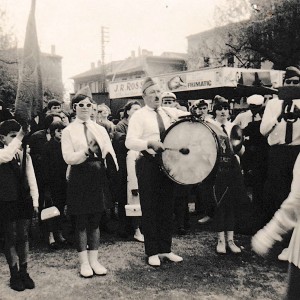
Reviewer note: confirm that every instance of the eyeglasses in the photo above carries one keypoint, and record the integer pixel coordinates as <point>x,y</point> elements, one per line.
<point>222,107</point>
<point>288,81</point>
<point>81,105</point>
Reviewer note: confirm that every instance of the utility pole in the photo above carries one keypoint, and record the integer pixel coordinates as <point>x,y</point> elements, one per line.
<point>104,40</point>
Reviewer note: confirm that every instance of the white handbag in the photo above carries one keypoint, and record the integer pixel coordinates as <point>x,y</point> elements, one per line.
<point>133,210</point>
<point>50,212</point>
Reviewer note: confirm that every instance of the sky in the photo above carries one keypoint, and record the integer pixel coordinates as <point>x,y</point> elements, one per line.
<point>74,27</point>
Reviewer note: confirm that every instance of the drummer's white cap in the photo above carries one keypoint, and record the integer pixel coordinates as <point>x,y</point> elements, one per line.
<point>167,95</point>
<point>255,99</point>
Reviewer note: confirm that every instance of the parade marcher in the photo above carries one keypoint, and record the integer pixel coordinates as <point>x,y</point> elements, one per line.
<point>102,119</point>
<point>85,145</point>
<point>200,109</point>
<point>181,193</point>
<point>255,158</point>
<point>18,200</point>
<point>4,112</point>
<point>169,100</point>
<point>284,140</point>
<point>94,112</point>
<point>227,186</point>
<point>53,106</point>
<point>284,220</point>
<point>145,130</point>
<point>204,196</point>
<point>55,176</point>
<point>65,117</point>
<point>36,142</point>
<point>121,152</point>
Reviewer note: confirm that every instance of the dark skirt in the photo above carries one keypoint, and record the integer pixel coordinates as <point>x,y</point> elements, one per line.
<point>85,188</point>
<point>15,210</point>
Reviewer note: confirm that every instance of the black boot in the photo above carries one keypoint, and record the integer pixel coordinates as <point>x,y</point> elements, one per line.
<point>26,279</point>
<point>16,282</point>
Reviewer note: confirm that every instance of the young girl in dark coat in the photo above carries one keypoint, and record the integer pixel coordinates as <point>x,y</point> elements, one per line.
<point>18,198</point>
<point>55,174</point>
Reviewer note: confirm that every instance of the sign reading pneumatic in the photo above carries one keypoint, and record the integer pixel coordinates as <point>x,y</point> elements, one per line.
<point>188,81</point>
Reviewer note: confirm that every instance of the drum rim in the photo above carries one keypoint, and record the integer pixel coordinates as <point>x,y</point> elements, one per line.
<point>215,136</point>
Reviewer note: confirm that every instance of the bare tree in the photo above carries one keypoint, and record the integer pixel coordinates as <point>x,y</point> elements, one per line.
<point>8,63</point>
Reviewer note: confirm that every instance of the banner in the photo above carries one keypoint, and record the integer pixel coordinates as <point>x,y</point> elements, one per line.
<point>195,80</point>
<point>29,100</point>
<point>125,89</point>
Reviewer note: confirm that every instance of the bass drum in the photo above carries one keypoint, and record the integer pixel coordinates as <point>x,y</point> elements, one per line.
<point>191,151</point>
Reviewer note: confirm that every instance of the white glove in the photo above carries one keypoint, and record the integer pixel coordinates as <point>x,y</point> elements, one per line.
<point>261,242</point>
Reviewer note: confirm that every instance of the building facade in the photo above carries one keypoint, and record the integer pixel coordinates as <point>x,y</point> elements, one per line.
<point>51,69</point>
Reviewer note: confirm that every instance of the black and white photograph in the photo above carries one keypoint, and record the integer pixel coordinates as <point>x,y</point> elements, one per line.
<point>149,149</point>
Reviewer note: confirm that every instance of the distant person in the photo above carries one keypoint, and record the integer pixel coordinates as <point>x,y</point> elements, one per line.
<point>36,143</point>
<point>204,191</point>
<point>94,112</point>
<point>54,106</point>
<point>4,112</point>
<point>254,161</point>
<point>55,177</point>
<point>65,117</point>
<point>181,193</point>
<point>200,109</point>
<point>123,180</point>
<point>282,128</point>
<point>102,119</point>
<point>169,100</point>
<point>18,200</point>
<point>284,138</point>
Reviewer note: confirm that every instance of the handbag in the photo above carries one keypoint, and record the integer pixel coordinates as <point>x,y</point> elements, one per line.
<point>49,213</point>
<point>133,210</point>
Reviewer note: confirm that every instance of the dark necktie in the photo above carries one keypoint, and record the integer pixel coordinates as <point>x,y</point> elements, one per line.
<point>223,128</point>
<point>160,122</point>
<point>289,132</point>
<point>85,133</point>
<point>88,142</point>
<point>289,127</point>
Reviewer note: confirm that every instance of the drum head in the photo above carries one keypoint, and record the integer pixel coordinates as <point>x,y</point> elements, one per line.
<point>191,151</point>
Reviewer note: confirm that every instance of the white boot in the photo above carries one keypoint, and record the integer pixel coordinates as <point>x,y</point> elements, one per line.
<point>85,268</point>
<point>221,246</point>
<point>139,236</point>
<point>94,263</point>
<point>231,245</point>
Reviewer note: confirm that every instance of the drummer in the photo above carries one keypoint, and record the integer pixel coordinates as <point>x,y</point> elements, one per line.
<point>145,131</point>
